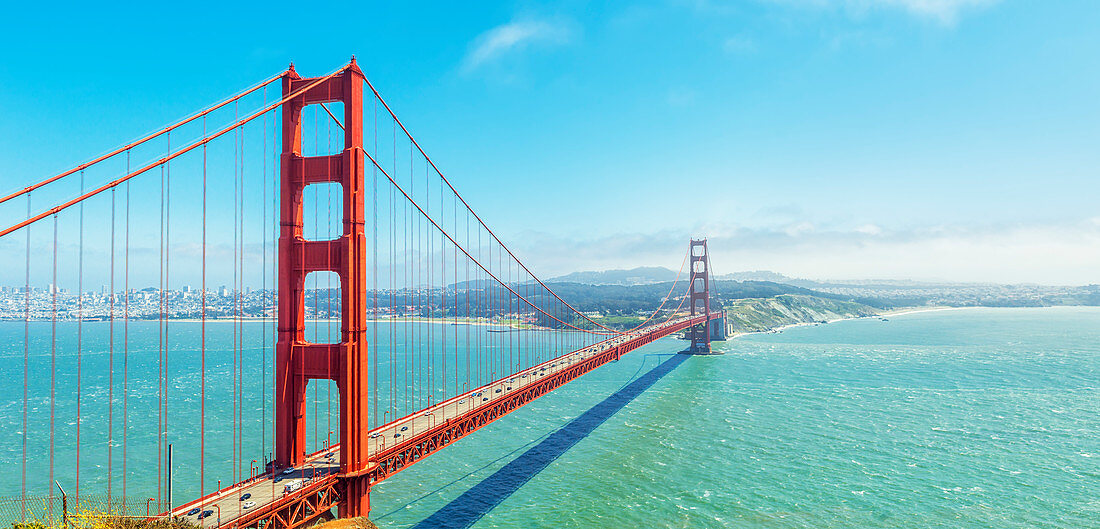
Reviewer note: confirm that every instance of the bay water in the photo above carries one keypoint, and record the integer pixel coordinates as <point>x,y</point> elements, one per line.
<point>959,418</point>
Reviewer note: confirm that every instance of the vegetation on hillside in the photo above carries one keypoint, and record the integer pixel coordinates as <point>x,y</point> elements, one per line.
<point>637,299</point>
<point>762,314</point>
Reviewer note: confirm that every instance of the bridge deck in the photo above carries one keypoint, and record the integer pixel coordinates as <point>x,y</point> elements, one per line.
<point>398,444</point>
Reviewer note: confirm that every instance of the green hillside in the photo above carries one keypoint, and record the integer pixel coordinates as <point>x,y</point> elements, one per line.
<point>762,314</point>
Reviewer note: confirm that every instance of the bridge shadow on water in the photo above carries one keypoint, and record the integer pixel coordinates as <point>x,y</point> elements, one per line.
<point>468,508</point>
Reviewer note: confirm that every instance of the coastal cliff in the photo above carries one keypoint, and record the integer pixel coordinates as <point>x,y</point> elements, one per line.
<point>765,314</point>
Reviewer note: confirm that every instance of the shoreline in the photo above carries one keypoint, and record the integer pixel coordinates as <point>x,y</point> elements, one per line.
<point>892,312</point>
<point>917,310</point>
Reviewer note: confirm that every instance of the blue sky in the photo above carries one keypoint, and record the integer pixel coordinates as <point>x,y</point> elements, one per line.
<point>922,139</point>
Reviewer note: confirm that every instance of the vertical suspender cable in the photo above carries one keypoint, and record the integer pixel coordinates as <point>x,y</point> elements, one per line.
<point>316,278</point>
<point>469,321</point>
<point>79,333</point>
<point>328,283</point>
<point>373,349</point>
<point>240,319</point>
<point>236,281</point>
<point>454,314</point>
<point>236,290</point>
<point>413,374</point>
<point>160,354</point>
<point>275,215</point>
<point>393,302</point>
<point>263,287</point>
<point>480,312</point>
<point>406,280</point>
<point>395,299</point>
<point>167,285</point>
<point>239,375</point>
<point>111,357</point>
<point>301,259</point>
<point>431,277</point>
<point>202,332</point>
<point>328,286</point>
<point>442,373</point>
<point>126,335</point>
<point>416,342</point>
<point>513,342</point>
<point>53,358</point>
<point>26,361</point>
<point>407,275</point>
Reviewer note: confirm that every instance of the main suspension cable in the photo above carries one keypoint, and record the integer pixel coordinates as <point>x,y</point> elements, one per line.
<point>114,183</point>
<point>135,143</point>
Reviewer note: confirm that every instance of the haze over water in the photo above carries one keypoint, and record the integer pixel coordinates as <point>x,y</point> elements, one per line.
<point>963,418</point>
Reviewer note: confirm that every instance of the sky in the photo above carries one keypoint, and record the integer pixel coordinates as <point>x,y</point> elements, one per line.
<point>939,140</point>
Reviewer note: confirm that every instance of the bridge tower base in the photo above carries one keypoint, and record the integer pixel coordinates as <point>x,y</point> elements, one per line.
<point>298,361</point>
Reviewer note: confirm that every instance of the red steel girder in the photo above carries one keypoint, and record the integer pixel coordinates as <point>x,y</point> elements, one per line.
<point>296,509</point>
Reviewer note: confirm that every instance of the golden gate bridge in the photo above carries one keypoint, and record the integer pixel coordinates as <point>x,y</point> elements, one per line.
<point>440,328</point>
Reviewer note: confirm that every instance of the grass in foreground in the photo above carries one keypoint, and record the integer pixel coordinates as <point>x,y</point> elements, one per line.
<point>101,520</point>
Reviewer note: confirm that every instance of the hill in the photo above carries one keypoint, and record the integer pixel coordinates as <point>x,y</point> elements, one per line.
<point>763,314</point>
<point>643,275</point>
<point>629,300</point>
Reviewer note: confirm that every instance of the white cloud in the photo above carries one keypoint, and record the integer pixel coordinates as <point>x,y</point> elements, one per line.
<point>681,97</point>
<point>800,228</point>
<point>944,11</point>
<point>1058,254</point>
<point>510,37</point>
<point>869,229</point>
<point>739,45</point>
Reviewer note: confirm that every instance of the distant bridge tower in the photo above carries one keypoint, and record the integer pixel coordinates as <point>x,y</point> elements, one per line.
<point>714,329</point>
<point>298,361</point>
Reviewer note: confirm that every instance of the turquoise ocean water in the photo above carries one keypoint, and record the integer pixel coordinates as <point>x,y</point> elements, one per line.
<point>962,418</point>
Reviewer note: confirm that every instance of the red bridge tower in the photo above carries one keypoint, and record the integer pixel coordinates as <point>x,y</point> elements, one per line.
<point>298,361</point>
<point>700,296</point>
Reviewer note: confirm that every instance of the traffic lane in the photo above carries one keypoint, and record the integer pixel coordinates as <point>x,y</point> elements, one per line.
<point>411,426</point>
<point>228,505</point>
